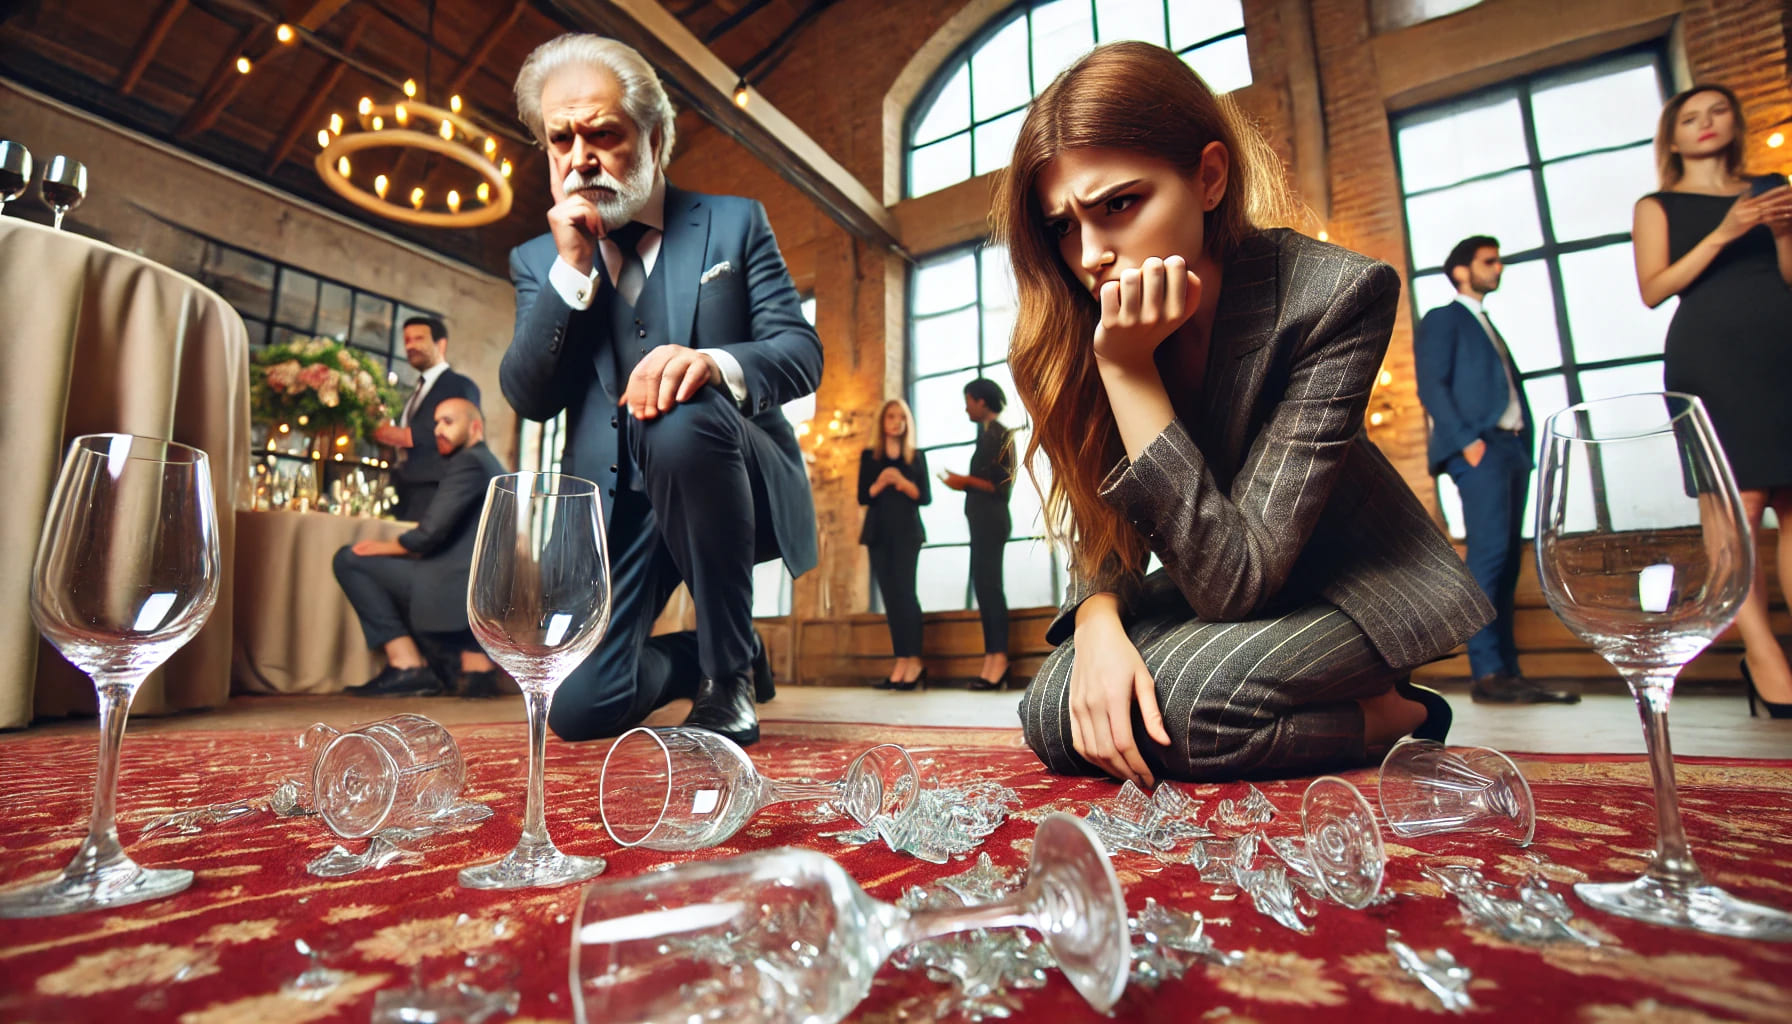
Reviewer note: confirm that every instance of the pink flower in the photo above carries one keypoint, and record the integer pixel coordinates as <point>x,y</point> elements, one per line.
<point>316,375</point>
<point>347,360</point>
<point>281,376</point>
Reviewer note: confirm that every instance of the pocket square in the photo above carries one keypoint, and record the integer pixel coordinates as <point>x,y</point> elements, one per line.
<point>722,269</point>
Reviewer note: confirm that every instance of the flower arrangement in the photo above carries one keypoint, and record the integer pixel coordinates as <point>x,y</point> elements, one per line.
<point>322,383</point>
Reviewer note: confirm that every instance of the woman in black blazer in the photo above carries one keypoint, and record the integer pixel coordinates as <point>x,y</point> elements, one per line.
<point>986,489</point>
<point>893,486</point>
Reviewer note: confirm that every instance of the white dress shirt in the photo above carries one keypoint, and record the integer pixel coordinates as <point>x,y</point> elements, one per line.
<point>579,290</point>
<point>1513,417</point>
<point>430,376</point>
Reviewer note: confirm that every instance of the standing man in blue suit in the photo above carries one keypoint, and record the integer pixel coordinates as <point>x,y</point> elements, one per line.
<point>664,324</point>
<point>1481,433</point>
<point>419,469</point>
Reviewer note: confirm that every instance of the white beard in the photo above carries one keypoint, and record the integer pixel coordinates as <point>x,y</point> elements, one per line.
<point>617,201</point>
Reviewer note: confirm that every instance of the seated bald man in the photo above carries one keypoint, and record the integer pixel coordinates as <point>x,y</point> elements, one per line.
<point>417,584</point>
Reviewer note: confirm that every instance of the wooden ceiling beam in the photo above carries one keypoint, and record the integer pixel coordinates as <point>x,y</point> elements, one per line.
<point>305,117</point>
<point>153,38</point>
<point>320,14</point>
<point>257,44</point>
<point>488,40</point>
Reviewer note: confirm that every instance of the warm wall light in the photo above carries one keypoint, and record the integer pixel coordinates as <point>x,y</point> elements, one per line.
<point>1324,235</point>
<point>342,441</point>
<point>243,65</point>
<point>1375,419</point>
<point>1385,379</point>
<point>284,33</point>
<point>1776,140</point>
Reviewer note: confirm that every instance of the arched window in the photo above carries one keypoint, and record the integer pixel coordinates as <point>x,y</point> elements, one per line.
<point>965,123</point>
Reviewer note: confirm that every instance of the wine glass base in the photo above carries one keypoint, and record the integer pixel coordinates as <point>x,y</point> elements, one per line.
<point>116,885</point>
<point>1704,908</point>
<point>1085,926</point>
<point>531,867</point>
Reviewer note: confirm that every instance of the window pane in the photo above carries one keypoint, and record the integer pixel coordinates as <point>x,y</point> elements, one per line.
<point>951,110</point>
<point>333,307</point>
<point>997,277</point>
<point>932,168</point>
<point>1445,147</point>
<point>1027,574</point>
<point>258,332</point>
<point>1191,23</point>
<point>942,579</point>
<point>1524,312</point>
<point>1012,413</point>
<point>947,282</point>
<point>1594,195</point>
<point>239,279</point>
<point>296,303</point>
<point>1605,317</point>
<point>808,308</point>
<point>1613,381</point>
<point>1548,396</point>
<point>939,411</point>
<point>999,79</point>
<point>1224,66</point>
<point>995,142</point>
<point>771,589</point>
<point>945,342</point>
<point>1505,206</point>
<point>1449,502</point>
<point>944,518</point>
<point>1061,34</point>
<point>1023,506</point>
<point>1593,108</point>
<point>1130,19</point>
<point>373,325</point>
<point>1432,290</point>
<point>998,328</point>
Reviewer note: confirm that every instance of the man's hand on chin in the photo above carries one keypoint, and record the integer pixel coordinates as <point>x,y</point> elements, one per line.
<point>666,376</point>
<point>576,226</point>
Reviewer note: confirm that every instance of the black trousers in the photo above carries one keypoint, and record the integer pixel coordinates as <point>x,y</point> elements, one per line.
<point>698,520</point>
<point>379,588</point>
<point>989,541</point>
<point>893,567</point>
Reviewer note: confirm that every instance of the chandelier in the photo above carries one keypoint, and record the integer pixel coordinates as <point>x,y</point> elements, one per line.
<point>411,126</point>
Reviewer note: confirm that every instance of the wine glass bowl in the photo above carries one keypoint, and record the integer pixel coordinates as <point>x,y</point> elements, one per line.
<point>15,171</point>
<point>538,601</point>
<point>1427,788</point>
<point>787,934</point>
<point>64,186</point>
<point>127,571</point>
<point>1648,572</point>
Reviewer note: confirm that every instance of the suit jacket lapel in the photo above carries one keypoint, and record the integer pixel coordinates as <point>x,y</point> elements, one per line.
<point>1239,354</point>
<point>681,257</point>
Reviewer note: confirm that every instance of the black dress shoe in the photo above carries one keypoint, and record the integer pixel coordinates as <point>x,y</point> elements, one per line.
<point>1501,688</point>
<point>764,686</point>
<point>421,681</point>
<point>1438,715</point>
<point>725,706</point>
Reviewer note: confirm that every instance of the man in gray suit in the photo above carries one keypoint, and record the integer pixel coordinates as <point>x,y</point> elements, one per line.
<point>417,584</point>
<point>663,323</point>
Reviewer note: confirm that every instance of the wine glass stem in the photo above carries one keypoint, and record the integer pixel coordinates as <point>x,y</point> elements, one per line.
<point>535,831</point>
<point>1673,858</point>
<point>102,846</point>
<point>59,212</point>
<point>1016,911</point>
<point>776,792</point>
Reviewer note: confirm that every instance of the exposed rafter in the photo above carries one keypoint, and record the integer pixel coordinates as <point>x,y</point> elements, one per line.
<point>304,119</point>
<point>153,38</point>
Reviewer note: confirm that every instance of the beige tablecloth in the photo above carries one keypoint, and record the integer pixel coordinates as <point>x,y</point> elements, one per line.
<point>96,339</point>
<point>295,631</point>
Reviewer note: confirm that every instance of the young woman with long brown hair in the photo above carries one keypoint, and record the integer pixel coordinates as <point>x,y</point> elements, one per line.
<point>1721,240</point>
<point>893,486</point>
<point>1198,385</point>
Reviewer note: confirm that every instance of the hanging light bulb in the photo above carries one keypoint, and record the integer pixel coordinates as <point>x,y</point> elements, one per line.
<point>342,166</point>
<point>401,115</point>
<point>284,33</point>
<point>447,130</point>
<point>484,192</point>
<point>410,88</point>
<point>243,65</point>
<point>335,124</point>
<point>740,93</point>
<point>417,197</point>
<point>454,103</point>
<point>323,138</point>
<point>380,185</point>
<point>364,107</point>
<point>453,201</point>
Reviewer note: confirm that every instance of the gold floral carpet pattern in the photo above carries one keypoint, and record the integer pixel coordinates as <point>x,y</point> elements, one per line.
<point>224,951</point>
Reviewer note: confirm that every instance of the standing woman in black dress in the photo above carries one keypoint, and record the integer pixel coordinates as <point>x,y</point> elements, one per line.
<point>893,486</point>
<point>1722,241</point>
<point>986,490</point>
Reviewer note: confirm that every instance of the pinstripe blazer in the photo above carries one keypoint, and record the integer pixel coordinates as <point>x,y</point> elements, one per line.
<point>1267,495</point>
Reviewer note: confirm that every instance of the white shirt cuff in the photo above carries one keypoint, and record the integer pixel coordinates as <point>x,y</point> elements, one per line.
<point>575,288</point>
<point>731,373</point>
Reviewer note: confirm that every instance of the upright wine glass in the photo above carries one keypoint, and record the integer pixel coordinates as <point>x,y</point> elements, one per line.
<point>15,171</point>
<point>127,571</point>
<point>64,186</point>
<point>1643,552</point>
<point>538,600</point>
<point>787,935</point>
<point>689,789</point>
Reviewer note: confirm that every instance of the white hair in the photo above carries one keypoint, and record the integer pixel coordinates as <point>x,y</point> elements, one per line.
<point>643,97</point>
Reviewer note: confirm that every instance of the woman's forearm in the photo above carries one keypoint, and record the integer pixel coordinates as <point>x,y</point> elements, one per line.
<point>1098,609</point>
<point>1673,279</point>
<point>1141,406</point>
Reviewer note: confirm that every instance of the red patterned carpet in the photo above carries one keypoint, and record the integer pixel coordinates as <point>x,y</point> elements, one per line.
<point>221,951</point>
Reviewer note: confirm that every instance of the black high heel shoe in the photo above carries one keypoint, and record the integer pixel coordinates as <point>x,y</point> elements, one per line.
<point>919,681</point>
<point>986,685</point>
<point>1438,715</point>
<point>1773,710</point>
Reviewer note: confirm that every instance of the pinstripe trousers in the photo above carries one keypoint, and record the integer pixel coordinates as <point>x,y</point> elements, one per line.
<point>1266,698</point>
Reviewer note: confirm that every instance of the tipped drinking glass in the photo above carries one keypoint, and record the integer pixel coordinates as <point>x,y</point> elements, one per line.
<point>538,599</point>
<point>1643,552</point>
<point>1343,841</point>
<point>127,572</point>
<point>787,935</point>
<point>15,171</point>
<point>689,789</point>
<point>64,186</point>
<point>1427,788</point>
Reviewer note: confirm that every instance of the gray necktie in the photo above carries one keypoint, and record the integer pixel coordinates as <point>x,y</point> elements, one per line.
<point>634,272</point>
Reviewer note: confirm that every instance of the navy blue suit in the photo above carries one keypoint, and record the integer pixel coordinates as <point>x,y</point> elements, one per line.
<point>698,494</point>
<point>421,468</point>
<point>1463,384</point>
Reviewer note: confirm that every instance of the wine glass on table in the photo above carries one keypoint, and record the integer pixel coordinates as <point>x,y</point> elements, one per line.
<point>1643,552</point>
<point>127,572</point>
<point>64,186</point>
<point>538,600</point>
<point>15,171</point>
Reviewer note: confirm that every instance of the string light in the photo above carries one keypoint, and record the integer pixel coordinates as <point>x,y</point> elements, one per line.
<point>1375,419</point>
<point>1385,379</point>
<point>364,107</point>
<point>741,96</point>
<point>1324,235</point>
<point>243,65</point>
<point>1776,140</point>
<point>284,33</point>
